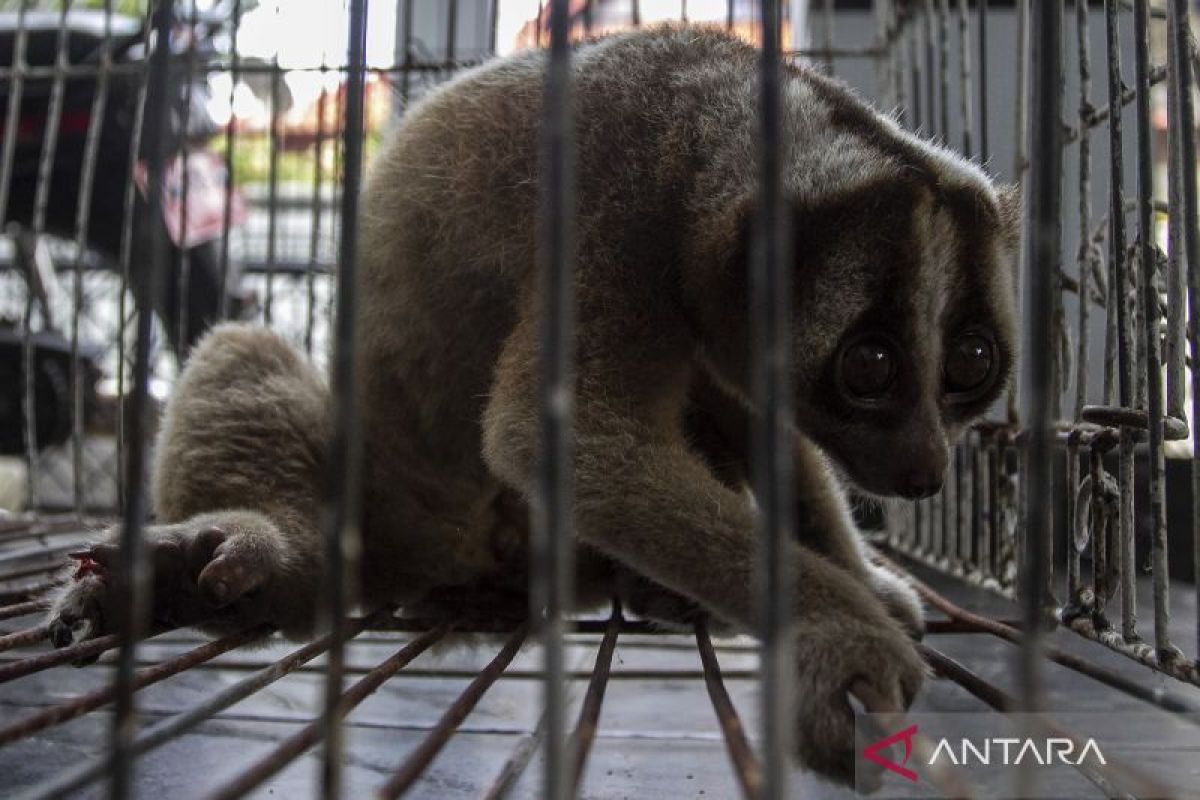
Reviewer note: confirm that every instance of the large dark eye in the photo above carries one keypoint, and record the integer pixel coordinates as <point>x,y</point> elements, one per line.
<point>868,368</point>
<point>970,364</point>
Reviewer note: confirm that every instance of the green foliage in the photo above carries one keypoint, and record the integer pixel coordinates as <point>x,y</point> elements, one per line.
<point>133,8</point>
<point>252,159</point>
<point>130,7</point>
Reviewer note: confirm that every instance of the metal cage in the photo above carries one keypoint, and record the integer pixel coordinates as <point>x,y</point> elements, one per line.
<point>1047,503</point>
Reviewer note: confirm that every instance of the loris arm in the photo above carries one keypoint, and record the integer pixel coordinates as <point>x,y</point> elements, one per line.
<point>719,424</point>
<point>646,499</point>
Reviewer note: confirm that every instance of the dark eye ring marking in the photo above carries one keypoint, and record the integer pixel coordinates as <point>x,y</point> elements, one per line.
<point>971,366</point>
<point>866,368</point>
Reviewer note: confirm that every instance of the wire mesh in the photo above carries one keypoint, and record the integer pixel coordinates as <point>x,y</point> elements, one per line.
<point>1141,399</point>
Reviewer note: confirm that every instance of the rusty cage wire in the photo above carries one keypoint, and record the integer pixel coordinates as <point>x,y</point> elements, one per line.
<point>1055,478</point>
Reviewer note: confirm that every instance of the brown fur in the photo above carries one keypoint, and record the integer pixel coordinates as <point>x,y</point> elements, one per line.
<point>238,462</point>
<point>889,233</point>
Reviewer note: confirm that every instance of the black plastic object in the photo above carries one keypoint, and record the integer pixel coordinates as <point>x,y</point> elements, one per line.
<point>53,408</point>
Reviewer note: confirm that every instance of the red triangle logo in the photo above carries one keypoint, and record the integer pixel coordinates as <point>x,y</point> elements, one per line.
<point>871,753</point>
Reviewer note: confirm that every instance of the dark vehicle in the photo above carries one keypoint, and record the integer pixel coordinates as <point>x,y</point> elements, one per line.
<point>195,211</point>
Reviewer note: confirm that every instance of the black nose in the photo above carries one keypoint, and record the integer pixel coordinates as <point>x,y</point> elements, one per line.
<point>919,483</point>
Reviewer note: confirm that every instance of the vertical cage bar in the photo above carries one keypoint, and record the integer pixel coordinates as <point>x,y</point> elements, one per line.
<point>978,493</point>
<point>931,70</point>
<point>1044,229</point>
<point>451,32</point>
<point>53,122</point>
<point>335,188</point>
<point>83,210</point>
<point>981,9</point>
<point>955,497</point>
<point>235,65</point>
<point>1020,171</point>
<point>933,521</point>
<point>896,50</point>
<point>918,510</point>
<point>1073,512</point>
<point>1084,253</point>
<point>1176,338</point>
<point>552,511</point>
<point>181,253</point>
<point>1181,73</point>
<point>990,556</point>
<point>318,199</point>
<point>1058,338</point>
<point>494,22</point>
<point>1023,508</point>
<point>1120,296</point>
<point>41,201</point>
<point>827,35</point>
<point>770,293</point>
<point>1100,525</point>
<point>914,31</point>
<point>964,75</point>
<point>130,582</point>
<point>943,49</point>
<point>406,60</point>
<point>126,260</point>
<point>16,88</point>
<point>881,11</point>
<point>949,503</point>
<point>1110,323</point>
<point>274,139</point>
<point>936,524</point>
<point>964,466</point>
<point>344,479</point>
<point>1150,303</point>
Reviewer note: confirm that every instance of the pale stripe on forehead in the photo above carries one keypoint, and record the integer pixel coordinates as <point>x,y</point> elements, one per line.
<point>937,268</point>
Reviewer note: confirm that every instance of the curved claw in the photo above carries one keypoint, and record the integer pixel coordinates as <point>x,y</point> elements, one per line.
<point>60,634</point>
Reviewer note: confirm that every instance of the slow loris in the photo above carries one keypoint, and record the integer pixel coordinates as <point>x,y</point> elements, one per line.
<point>903,334</point>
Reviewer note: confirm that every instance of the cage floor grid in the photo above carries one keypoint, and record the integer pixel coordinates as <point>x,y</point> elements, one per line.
<point>656,732</point>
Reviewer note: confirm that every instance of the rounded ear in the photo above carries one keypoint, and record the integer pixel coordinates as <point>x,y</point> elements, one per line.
<point>1009,197</point>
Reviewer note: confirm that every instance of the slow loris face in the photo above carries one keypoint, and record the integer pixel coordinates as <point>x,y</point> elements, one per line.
<point>905,330</point>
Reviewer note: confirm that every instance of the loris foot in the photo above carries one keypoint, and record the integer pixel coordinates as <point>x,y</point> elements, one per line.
<point>834,654</point>
<point>669,610</point>
<point>222,571</point>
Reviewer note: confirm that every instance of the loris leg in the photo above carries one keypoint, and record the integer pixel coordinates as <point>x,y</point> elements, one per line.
<point>645,499</point>
<point>223,571</point>
<point>236,468</point>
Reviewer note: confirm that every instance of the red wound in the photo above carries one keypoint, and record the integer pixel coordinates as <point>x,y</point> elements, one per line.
<point>87,566</point>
